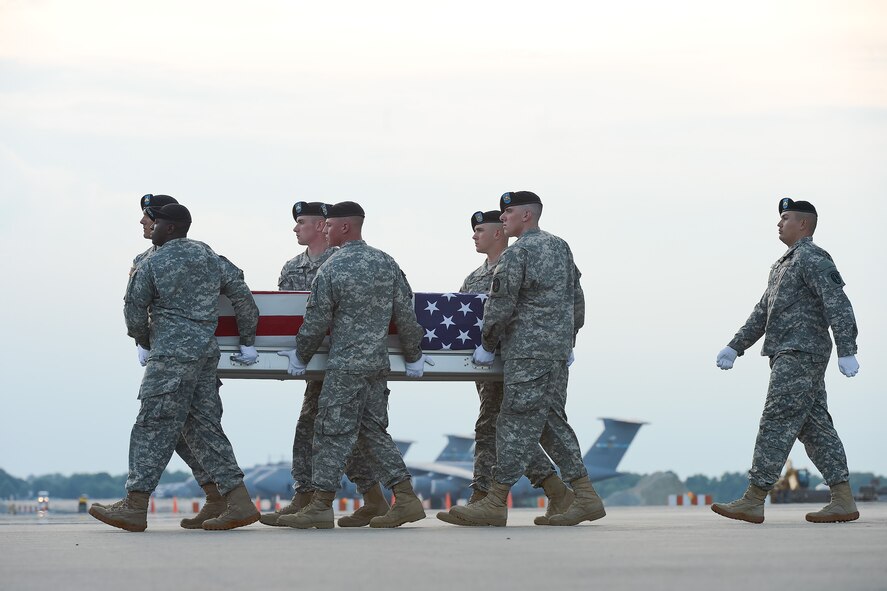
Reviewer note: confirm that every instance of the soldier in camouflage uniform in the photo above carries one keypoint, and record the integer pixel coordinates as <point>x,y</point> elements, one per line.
<point>171,310</point>
<point>355,296</point>
<point>536,307</point>
<point>214,505</point>
<point>297,275</point>
<point>490,239</point>
<point>804,296</point>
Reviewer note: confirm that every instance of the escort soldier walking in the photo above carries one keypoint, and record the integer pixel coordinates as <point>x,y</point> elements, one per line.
<point>214,505</point>
<point>171,310</point>
<point>297,275</point>
<point>536,307</point>
<point>804,296</point>
<point>490,240</point>
<point>356,295</point>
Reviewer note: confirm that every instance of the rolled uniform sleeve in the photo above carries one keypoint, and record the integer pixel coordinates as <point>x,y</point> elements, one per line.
<point>318,316</point>
<point>237,291</point>
<point>500,306</point>
<point>824,279</point>
<point>139,294</point>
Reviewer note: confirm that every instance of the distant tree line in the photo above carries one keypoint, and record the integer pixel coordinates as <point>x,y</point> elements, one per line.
<point>98,486</point>
<point>102,485</point>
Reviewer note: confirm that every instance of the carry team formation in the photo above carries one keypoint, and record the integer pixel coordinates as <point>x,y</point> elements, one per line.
<point>533,313</point>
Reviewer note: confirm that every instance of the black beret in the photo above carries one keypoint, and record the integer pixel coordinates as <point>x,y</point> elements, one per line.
<point>173,212</point>
<point>518,198</point>
<point>345,209</point>
<point>787,204</point>
<point>150,200</point>
<point>485,217</point>
<point>307,208</point>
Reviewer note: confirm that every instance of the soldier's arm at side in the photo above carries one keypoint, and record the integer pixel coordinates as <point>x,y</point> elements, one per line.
<point>246,312</point>
<point>823,278</point>
<point>283,282</point>
<point>578,304</point>
<point>318,316</point>
<point>499,308</point>
<point>753,329</point>
<point>139,294</point>
<point>409,331</point>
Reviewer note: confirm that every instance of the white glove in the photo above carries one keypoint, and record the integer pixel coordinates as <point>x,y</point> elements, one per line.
<point>726,357</point>
<point>296,367</point>
<point>143,355</point>
<point>417,368</point>
<point>570,359</point>
<point>849,366</point>
<point>482,356</point>
<point>247,355</point>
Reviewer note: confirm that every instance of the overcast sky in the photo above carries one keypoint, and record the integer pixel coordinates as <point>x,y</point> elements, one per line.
<point>660,137</point>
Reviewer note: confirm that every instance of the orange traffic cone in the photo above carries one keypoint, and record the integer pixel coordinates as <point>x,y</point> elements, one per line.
<point>448,502</point>
<point>153,508</point>
<point>510,501</point>
<point>175,505</point>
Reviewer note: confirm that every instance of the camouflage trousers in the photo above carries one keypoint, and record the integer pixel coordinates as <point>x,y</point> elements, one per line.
<point>539,467</point>
<point>796,408</point>
<point>533,413</point>
<point>353,410</point>
<point>180,399</point>
<point>200,475</point>
<point>358,468</point>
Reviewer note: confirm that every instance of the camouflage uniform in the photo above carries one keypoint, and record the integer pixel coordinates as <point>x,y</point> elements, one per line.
<point>200,475</point>
<point>804,297</point>
<point>297,275</point>
<point>536,307</point>
<point>490,394</point>
<point>356,295</point>
<point>179,286</point>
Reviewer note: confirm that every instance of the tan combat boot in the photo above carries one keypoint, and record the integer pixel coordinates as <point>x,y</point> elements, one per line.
<point>559,498</point>
<point>450,517</point>
<point>214,506</point>
<point>318,513</point>
<point>240,511</point>
<point>587,506</point>
<point>749,507</point>
<point>406,508</point>
<point>374,505</point>
<point>491,510</point>
<point>130,513</point>
<point>842,507</point>
<point>300,500</point>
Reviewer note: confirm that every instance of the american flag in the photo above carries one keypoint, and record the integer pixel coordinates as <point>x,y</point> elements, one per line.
<point>452,321</point>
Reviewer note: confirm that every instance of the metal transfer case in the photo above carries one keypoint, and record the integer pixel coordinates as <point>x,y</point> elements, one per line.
<point>452,324</point>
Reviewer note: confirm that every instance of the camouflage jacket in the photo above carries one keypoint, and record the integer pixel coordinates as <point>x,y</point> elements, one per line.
<point>298,272</point>
<point>479,280</point>
<point>171,302</point>
<point>804,296</point>
<point>356,294</point>
<point>536,305</point>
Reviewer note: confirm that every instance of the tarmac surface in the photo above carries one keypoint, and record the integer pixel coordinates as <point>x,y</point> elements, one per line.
<point>686,548</point>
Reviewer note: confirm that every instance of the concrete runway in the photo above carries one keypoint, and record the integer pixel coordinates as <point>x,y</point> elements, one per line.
<point>686,548</point>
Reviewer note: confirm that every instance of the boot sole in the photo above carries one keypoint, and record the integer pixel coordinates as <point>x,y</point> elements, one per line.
<point>453,519</point>
<point>587,517</point>
<point>833,518</point>
<point>393,525</point>
<point>737,516</point>
<point>118,524</point>
<point>316,525</point>
<point>232,524</point>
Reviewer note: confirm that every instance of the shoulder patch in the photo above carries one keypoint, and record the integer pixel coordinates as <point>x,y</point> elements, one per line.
<point>496,285</point>
<point>836,278</point>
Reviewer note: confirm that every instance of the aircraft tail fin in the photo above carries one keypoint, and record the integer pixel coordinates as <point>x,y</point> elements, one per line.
<point>611,445</point>
<point>402,446</point>
<point>459,448</point>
